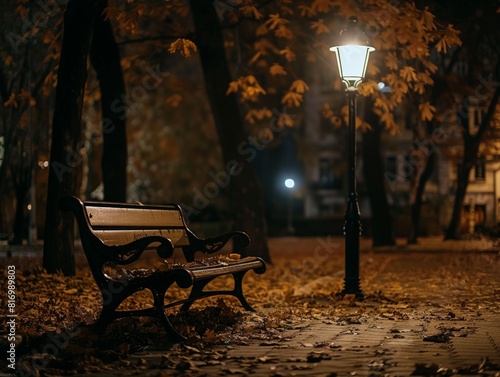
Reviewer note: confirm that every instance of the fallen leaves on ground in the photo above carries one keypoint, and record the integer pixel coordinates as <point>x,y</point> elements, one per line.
<point>56,312</point>
<point>435,370</point>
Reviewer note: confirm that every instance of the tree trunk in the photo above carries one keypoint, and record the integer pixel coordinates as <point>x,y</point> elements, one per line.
<point>66,133</point>
<point>19,219</point>
<point>10,120</point>
<point>458,203</point>
<point>430,164</point>
<point>416,207</point>
<point>105,58</point>
<point>373,172</point>
<point>471,148</point>
<point>20,174</point>
<point>246,191</point>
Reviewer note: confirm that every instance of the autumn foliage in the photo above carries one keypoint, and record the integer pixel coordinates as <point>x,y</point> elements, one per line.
<point>270,46</point>
<point>265,39</point>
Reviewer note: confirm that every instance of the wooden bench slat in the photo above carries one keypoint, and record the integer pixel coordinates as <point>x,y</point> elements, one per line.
<point>122,237</point>
<point>133,217</point>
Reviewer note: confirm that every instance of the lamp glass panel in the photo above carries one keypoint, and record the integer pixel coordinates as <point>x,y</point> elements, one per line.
<point>353,60</point>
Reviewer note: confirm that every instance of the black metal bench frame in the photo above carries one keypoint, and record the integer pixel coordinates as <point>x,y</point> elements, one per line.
<point>119,233</point>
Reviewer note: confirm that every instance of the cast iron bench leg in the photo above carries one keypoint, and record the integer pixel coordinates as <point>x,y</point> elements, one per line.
<point>196,293</point>
<point>105,318</point>
<point>238,290</point>
<point>107,313</point>
<point>159,306</point>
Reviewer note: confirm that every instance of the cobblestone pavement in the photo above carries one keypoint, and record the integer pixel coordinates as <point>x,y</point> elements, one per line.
<point>372,347</point>
<point>427,340</point>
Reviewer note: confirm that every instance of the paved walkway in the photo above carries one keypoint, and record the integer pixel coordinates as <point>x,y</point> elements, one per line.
<point>372,347</point>
<point>426,340</point>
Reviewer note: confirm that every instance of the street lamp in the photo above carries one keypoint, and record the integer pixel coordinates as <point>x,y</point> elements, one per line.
<point>352,57</point>
<point>290,184</point>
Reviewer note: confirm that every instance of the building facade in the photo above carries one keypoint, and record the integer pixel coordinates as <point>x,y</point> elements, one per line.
<point>323,151</point>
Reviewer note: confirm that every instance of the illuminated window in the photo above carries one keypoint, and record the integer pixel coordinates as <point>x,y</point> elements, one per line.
<point>329,175</point>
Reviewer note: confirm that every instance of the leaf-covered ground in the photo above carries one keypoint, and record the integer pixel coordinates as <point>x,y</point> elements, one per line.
<point>301,285</point>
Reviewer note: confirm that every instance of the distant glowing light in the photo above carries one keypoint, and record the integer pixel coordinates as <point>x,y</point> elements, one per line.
<point>289,183</point>
<point>384,88</point>
<point>43,164</point>
<point>29,207</point>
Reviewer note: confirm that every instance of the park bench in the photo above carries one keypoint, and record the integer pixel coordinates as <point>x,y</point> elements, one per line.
<point>114,235</point>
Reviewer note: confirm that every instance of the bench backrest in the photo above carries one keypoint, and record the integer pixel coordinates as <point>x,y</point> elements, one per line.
<point>120,224</point>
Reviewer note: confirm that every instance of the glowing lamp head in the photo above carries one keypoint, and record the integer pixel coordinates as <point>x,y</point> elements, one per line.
<point>352,52</point>
<point>289,183</point>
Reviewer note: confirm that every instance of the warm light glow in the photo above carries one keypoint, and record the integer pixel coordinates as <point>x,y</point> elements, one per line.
<point>353,50</point>
<point>289,183</point>
<point>29,207</point>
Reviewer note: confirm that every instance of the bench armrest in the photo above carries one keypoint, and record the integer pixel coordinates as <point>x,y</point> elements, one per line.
<point>214,244</point>
<point>124,254</point>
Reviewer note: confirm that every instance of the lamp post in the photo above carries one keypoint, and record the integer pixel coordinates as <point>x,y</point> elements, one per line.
<point>352,57</point>
<point>290,184</point>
